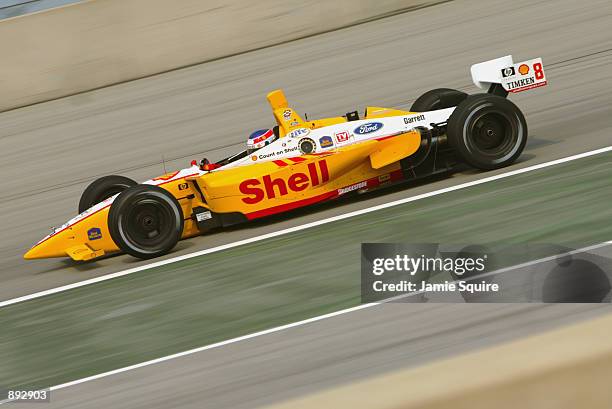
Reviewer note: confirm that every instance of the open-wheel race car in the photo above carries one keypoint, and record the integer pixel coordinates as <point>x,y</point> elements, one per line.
<point>309,161</point>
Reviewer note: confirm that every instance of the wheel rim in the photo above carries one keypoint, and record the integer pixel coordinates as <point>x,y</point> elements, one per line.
<point>148,223</point>
<point>493,133</point>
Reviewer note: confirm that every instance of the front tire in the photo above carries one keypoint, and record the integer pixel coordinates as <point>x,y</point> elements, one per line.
<point>103,188</point>
<point>487,131</point>
<point>145,221</point>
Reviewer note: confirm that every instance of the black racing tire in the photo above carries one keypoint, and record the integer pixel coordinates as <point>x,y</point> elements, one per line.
<point>487,131</point>
<point>439,98</point>
<point>103,188</point>
<point>145,221</point>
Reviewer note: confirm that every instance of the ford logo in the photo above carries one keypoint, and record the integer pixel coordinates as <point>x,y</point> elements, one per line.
<point>368,128</point>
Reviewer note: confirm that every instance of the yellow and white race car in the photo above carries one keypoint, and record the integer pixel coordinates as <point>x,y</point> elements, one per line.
<point>311,161</point>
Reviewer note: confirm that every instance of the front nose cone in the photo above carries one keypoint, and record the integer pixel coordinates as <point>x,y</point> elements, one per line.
<point>51,247</point>
<point>40,251</point>
<point>31,254</point>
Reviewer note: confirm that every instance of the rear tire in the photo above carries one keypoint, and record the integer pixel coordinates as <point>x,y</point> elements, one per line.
<point>145,221</point>
<point>487,131</point>
<point>103,188</point>
<point>439,98</point>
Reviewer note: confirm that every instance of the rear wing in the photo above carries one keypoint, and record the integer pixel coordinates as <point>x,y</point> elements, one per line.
<point>501,75</point>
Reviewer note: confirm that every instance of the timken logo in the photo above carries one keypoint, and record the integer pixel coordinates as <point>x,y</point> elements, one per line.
<point>270,188</point>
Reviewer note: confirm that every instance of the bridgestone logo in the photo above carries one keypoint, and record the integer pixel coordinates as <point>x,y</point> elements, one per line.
<point>352,188</point>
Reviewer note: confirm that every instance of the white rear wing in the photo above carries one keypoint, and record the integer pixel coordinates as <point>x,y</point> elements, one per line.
<point>512,77</point>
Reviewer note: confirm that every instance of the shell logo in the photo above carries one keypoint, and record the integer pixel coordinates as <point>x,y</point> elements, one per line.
<point>257,190</point>
<point>523,69</point>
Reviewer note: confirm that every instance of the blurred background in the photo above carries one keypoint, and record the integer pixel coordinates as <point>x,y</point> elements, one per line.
<point>103,87</point>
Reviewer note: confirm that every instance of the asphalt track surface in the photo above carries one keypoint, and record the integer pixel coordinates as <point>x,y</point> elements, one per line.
<point>51,151</point>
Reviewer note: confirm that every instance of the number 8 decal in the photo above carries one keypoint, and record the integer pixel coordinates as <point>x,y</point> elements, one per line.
<point>537,68</point>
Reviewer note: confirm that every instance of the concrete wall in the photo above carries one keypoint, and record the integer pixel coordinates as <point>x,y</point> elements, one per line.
<point>96,43</point>
<point>564,369</point>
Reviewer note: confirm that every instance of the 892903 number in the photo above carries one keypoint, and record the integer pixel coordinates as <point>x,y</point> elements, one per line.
<point>25,395</point>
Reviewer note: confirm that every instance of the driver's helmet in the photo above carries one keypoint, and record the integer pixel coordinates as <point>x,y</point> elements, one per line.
<point>259,139</point>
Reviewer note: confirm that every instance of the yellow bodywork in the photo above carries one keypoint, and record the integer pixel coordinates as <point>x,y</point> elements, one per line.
<point>258,189</point>
<point>77,242</point>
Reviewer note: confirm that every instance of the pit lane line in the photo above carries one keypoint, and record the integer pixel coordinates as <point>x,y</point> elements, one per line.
<point>304,226</point>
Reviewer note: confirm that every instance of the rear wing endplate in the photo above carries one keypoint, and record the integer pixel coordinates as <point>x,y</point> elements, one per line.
<point>503,72</point>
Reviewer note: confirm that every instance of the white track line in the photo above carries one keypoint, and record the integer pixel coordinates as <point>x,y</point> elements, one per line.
<point>303,322</point>
<point>304,226</point>
<point>215,345</point>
